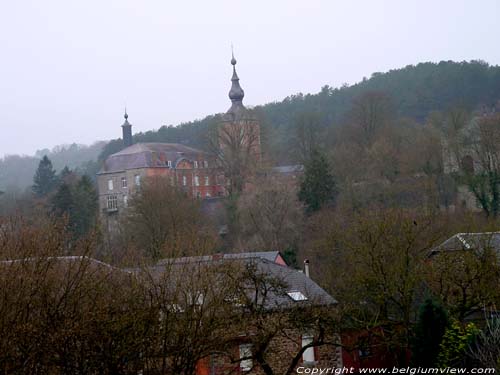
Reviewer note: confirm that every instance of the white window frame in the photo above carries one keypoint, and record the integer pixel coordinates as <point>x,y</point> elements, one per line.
<point>125,200</point>
<point>196,180</point>
<point>112,202</point>
<point>137,179</point>
<point>110,184</point>
<point>124,182</point>
<point>196,164</point>
<point>184,181</point>
<point>308,356</point>
<point>205,163</point>
<point>246,351</point>
<point>169,163</point>
<point>207,181</point>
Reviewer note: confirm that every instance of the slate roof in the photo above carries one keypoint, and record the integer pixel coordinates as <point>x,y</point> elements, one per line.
<point>470,241</point>
<point>268,255</point>
<point>140,155</point>
<point>295,280</point>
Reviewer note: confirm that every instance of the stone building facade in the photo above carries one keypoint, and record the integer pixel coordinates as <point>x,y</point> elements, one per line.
<point>191,170</point>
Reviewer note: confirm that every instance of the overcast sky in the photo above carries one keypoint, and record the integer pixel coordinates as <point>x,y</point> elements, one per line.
<point>69,67</point>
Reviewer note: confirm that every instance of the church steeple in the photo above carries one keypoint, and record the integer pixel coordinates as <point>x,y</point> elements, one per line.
<point>126,131</point>
<point>236,93</point>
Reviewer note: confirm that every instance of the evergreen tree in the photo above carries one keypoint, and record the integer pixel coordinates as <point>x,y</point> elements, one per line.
<point>62,201</point>
<point>317,187</point>
<point>429,331</point>
<point>45,179</point>
<point>85,206</point>
<point>79,202</point>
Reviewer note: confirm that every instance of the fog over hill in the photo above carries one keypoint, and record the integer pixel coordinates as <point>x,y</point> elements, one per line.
<point>414,93</point>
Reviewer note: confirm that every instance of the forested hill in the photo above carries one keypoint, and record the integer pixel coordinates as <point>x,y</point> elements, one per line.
<point>414,91</point>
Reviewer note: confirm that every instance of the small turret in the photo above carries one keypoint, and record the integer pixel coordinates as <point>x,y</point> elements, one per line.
<point>126,131</point>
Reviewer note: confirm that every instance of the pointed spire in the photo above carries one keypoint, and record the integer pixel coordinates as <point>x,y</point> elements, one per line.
<point>126,114</point>
<point>236,93</point>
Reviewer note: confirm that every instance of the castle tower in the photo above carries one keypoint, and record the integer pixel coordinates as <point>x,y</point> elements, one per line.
<point>126,131</point>
<point>238,139</point>
<point>239,125</point>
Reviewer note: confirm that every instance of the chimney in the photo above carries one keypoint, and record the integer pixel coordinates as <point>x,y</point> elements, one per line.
<point>306,267</point>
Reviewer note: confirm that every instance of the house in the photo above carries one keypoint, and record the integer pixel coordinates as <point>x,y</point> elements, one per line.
<point>261,307</point>
<point>465,272</point>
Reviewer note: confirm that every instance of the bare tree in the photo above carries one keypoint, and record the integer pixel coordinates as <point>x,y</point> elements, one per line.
<point>236,145</point>
<point>270,215</point>
<point>486,349</point>
<point>163,222</point>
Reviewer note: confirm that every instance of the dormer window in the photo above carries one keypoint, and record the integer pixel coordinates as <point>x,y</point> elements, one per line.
<point>297,296</point>
<point>169,163</point>
<point>195,164</point>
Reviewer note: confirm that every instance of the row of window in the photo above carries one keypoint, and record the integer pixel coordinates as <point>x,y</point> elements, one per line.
<point>137,180</point>
<point>204,163</point>
<point>196,181</point>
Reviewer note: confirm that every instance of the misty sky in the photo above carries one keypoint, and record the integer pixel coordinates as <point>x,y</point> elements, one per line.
<point>69,67</point>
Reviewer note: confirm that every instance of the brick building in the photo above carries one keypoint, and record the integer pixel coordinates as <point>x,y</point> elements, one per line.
<point>192,170</point>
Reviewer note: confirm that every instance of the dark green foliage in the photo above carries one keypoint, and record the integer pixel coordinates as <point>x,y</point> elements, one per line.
<point>45,179</point>
<point>62,201</point>
<point>85,206</point>
<point>429,331</point>
<point>317,187</point>
<point>78,201</point>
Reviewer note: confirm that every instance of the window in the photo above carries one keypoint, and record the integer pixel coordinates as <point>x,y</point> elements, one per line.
<point>297,296</point>
<point>205,164</point>
<point>364,352</point>
<point>195,164</point>
<point>110,184</point>
<point>124,182</point>
<point>172,181</point>
<point>125,201</point>
<point>207,195</point>
<point>137,179</point>
<point>112,202</point>
<point>207,181</point>
<point>245,352</point>
<point>169,163</point>
<point>308,355</point>
<point>184,181</point>
<point>196,181</point>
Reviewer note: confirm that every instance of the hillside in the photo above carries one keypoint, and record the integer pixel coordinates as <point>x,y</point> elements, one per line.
<point>414,91</point>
